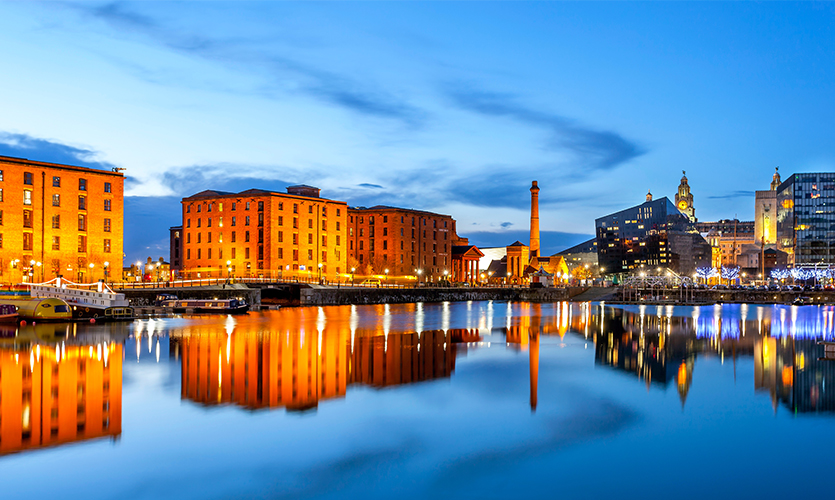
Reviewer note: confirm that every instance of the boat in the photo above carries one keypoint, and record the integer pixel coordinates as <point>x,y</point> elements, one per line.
<point>87,300</point>
<point>40,309</point>
<point>802,301</point>
<point>203,306</point>
<point>8,313</point>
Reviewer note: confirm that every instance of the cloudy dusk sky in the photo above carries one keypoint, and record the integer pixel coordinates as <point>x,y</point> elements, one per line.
<point>448,107</point>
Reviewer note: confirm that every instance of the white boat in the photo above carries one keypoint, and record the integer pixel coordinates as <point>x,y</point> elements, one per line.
<point>86,300</point>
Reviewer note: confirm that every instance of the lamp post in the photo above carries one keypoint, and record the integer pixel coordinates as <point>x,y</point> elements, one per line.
<point>91,271</point>
<point>387,277</point>
<point>228,269</point>
<point>320,273</point>
<point>445,276</point>
<point>353,269</point>
<point>507,281</point>
<point>106,266</point>
<point>419,272</point>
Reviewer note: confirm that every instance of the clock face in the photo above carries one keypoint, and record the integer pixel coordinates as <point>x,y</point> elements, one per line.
<point>682,205</point>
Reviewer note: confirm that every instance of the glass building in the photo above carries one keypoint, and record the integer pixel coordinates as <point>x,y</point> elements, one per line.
<point>651,235</point>
<point>806,219</point>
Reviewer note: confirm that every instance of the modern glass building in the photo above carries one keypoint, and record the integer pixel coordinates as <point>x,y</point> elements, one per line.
<point>806,219</point>
<point>651,235</point>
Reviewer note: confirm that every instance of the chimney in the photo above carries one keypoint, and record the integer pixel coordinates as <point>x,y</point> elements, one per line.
<point>534,245</point>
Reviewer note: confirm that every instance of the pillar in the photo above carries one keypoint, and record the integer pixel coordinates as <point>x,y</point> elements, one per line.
<point>534,244</point>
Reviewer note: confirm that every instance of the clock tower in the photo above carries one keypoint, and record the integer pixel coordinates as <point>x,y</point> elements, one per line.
<point>684,200</point>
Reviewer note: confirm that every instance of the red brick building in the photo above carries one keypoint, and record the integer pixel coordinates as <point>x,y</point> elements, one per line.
<point>67,219</point>
<point>406,242</point>
<point>258,233</point>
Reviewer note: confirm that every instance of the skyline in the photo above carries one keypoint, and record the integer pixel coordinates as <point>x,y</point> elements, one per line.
<point>452,108</point>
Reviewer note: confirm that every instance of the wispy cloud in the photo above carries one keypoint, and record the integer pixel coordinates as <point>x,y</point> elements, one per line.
<point>281,74</point>
<point>734,194</point>
<point>26,146</point>
<point>370,186</point>
<point>593,148</point>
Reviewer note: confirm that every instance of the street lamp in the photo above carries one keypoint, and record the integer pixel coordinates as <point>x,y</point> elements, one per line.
<point>106,265</point>
<point>91,271</point>
<point>228,269</point>
<point>387,276</point>
<point>320,273</point>
<point>353,269</point>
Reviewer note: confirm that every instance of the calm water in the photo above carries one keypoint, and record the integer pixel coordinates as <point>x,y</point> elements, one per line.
<point>489,400</point>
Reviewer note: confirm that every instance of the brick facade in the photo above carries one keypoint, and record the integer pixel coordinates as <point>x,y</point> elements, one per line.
<point>64,217</point>
<point>400,240</point>
<point>264,234</point>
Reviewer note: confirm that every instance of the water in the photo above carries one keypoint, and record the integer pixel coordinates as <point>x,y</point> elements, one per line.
<point>489,400</point>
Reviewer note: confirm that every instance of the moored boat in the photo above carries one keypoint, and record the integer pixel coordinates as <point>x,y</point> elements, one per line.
<point>40,309</point>
<point>207,306</point>
<point>8,313</point>
<point>86,301</point>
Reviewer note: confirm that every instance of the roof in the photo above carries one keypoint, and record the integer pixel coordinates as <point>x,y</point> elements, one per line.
<point>25,161</point>
<point>212,193</point>
<point>517,243</point>
<point>382,208</point>
<point>464,249</point>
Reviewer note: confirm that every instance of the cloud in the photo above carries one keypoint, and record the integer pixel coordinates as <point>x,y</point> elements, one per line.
<point>594,149</point>
<point>506,224</point>
<point>26,146</point>
<point>371,186</point>
<point>279,72</point>
<point>186,181</point>
<point>735,194</point>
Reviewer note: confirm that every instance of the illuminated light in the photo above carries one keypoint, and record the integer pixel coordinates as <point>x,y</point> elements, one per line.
<point>788,376</point>
<point>38,353</point>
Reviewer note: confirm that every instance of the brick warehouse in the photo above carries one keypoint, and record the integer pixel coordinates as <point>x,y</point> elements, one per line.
<point>400,240</point>
<point>263,234</point>
<point>67,218</point>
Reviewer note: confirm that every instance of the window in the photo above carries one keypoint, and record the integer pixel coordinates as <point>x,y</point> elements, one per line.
<point>199,237</point>
<point>28,178</point>
<point>199,252</point>
<point>295,255</point>
<point>56,242</point>
<point>385,244</point>
<point>310,254</point>
<point>208,222</point>
<point>324,225</point>
<point>106,205</point>
<point>260,219</point>
<point>246,253</point>
<point>280,253</point>
<point>310,223</point>
<point>188,237</point>
<point>27,241</point>
<point>385,231</point>
<point>324,241</point>
<point>295,222</point>
<point>199,208</point>
<point>27,218</point>
<point>280,220</point>
<point>56,222</point>
<point>385,218</point>
<point>1,194</point>
<point>247,207</point>
<point>337,212</point>
<point>295,208</point>
<point>107,226</point>
<point>233,237</point>
<point>82,222</point>
<point>56,182</point>
<point>82,243</point>
<point>210,207</point>
<point>188,223</point>
<point>188,253</point>
<point>56,200</point>
<point>1,176</point>
<point>295,238</point>
<point>82,184</point>
<point>337,240</point>
<point>27,197</point>
<point>337,225</point>
<point>281,237</point>
<point>309,239</point>
<point>1,217</point>
<point>310,209</point>
<point>82,203</point>
<point>246,221</point>
<point>209,253</point>
<point>260,236</point>
<point>106,245</point>
<point>281,205</point>
<point>260,206</point>
<point>208,237</point>
<point>1,240</point>
<point>233,252</point>
<point>234,221</point>
<point>246,236</point>
<point>107,187</point>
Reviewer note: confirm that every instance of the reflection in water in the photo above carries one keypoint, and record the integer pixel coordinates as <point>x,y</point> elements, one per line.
<point>660,347</point>
<point>301,357</point>
<point>59,383</point>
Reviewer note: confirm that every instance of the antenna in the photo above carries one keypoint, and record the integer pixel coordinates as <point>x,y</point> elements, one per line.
<point>119,169</point>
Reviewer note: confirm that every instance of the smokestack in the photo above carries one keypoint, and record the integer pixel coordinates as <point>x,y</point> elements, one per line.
<point>534,220</point>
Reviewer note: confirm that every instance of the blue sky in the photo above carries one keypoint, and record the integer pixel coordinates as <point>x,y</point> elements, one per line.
<point>450,107</point>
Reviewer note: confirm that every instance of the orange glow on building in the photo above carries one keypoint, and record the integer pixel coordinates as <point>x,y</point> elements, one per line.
<point>69,219</point>
<point>263,234</point>
<point>53,395</point>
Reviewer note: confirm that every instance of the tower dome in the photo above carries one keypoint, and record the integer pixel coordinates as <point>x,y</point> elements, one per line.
<point>775,180</point>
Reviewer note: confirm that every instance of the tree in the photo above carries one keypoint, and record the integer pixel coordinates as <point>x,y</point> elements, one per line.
<point>707,272</point>
<point>730,273</point>
<point>779,274</point>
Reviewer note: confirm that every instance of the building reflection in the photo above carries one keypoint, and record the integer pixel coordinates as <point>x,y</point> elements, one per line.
<point>660,348</point>
<point>301,357</point>
<point>58,387</point>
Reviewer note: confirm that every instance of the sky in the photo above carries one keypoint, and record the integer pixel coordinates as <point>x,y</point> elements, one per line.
<point>443,106</point>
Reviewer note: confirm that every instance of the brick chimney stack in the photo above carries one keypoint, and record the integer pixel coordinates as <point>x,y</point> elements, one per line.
<point>534,244</point>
